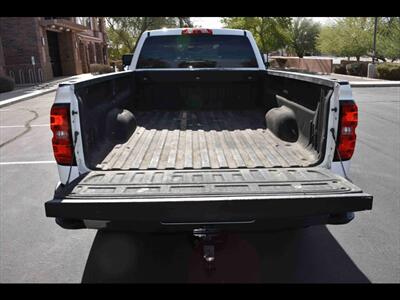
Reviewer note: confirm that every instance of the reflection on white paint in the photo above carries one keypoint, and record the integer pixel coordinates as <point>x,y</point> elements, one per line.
<point>22,126</point>
<point>28,162</point>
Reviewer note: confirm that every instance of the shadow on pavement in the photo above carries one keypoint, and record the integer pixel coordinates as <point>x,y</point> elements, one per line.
<point>309,255</point>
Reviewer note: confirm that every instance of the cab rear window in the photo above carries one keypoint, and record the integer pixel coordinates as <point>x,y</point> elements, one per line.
<point>197,51</point>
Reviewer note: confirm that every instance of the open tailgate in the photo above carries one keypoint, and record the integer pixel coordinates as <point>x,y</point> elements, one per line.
<point>171,197</point>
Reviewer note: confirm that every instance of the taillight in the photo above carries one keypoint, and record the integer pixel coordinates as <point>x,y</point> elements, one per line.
<point>193,31</point>
<point>346,140</point>
<point>62,137</point>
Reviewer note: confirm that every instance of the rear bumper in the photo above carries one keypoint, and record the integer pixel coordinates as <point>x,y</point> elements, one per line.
<point>267,225</point>
<point>228,213</point>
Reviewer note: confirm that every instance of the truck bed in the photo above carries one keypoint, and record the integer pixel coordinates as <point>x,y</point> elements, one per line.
<point>204,140</point>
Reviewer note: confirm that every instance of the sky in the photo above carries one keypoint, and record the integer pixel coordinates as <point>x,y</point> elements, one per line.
<point>214,22</point>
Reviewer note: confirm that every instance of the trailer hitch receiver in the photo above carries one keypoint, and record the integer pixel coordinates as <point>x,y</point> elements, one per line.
<point>208,238</point>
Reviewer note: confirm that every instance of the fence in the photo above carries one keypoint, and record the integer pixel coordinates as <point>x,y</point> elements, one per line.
<point>25,74</point>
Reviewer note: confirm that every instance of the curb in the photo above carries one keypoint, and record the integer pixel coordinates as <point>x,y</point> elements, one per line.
<point>374,84</point>
<point>26,97</point>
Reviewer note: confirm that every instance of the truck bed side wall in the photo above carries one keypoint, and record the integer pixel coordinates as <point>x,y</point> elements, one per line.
<point>309,103</point>
<point>96,100</point>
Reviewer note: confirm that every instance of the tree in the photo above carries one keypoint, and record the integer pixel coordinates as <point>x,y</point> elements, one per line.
<point>270,33</point>
<point>303,34</point>
<point>124,32</point>
<point>354,37</point>
<point>185,22</point>
<point>348,37</point>
<point>388,38</point>
<point>328,41</point>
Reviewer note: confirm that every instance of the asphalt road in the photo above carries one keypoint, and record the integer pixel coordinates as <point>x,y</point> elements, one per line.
<point>34,249</point>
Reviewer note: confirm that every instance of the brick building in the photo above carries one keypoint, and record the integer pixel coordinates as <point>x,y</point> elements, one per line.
<point>36,49</point>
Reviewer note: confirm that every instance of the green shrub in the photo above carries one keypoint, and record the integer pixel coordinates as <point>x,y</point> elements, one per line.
<point>390,71</point>
<point>281,62</point>
<point>357,69</point>
<point>117,64</point>
<point>6,84</point>
<point>339,69</point>
<point>120,66</point>
<point>100,69</point>
<point>272,63</point>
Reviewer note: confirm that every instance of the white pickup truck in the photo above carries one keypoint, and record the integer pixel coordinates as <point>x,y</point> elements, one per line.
<point>198,134</point>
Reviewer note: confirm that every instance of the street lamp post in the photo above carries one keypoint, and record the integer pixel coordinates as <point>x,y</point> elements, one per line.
<point>372,67</point>
<point>374,49</point>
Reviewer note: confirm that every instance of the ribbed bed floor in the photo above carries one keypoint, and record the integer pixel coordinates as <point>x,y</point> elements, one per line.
<point>204,139</point>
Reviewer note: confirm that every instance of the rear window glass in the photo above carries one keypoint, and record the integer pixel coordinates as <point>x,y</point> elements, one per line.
<point>197,51</point>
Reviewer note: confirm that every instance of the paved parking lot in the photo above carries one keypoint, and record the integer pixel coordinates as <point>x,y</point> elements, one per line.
<point>34,249</point>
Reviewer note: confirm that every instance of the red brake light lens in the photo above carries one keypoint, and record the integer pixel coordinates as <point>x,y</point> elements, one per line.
<point>196,31</point>
<point>348,120</point>
<point>62,137</point>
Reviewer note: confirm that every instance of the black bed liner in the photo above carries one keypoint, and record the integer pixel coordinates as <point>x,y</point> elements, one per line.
<point>203,140</point>
<point>211,165</point>
<point>196,184</point>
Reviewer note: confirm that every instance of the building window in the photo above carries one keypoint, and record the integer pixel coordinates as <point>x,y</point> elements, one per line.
<point>53,18</point>
<point>100,27</point>
<point>85,21</point>
<point>93,23</point>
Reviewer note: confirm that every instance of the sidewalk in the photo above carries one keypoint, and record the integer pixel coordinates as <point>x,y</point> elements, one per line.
<point>24,93</point>
<point>351,78</point>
